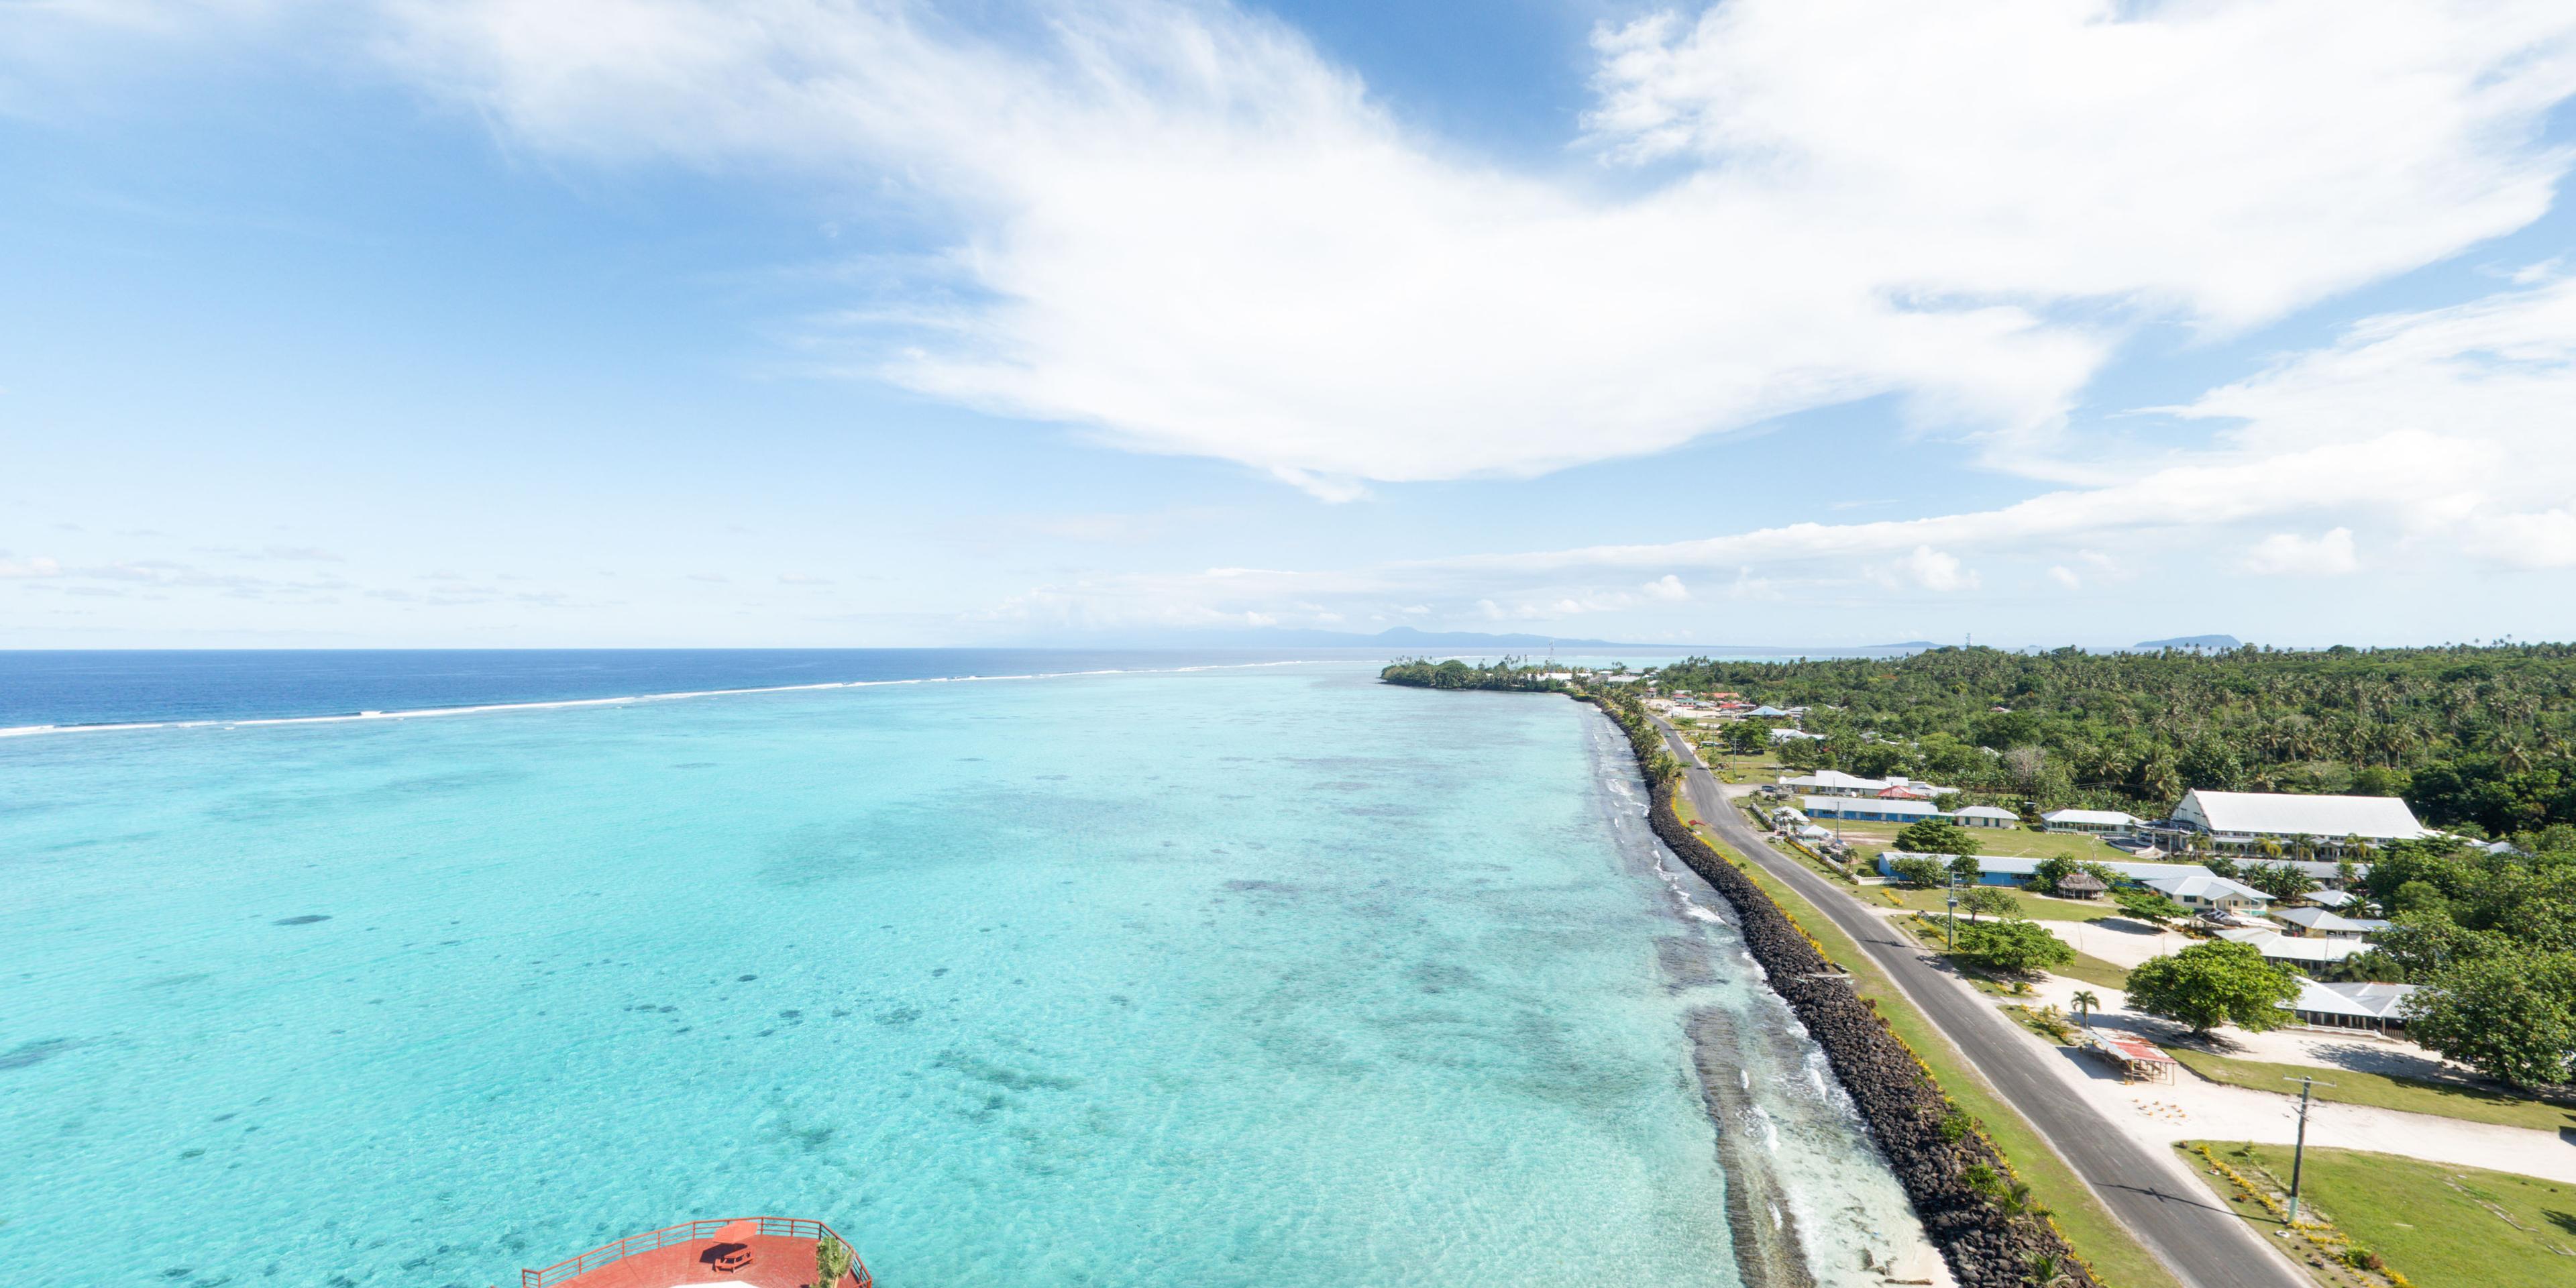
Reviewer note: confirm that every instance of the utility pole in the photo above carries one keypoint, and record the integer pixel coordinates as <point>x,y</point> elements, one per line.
<point>1952,933</point>
<point>2299,1152</point>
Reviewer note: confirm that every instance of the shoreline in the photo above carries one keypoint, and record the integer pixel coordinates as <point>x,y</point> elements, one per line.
<point>1796,1219</point>
<point>1908,1116</point>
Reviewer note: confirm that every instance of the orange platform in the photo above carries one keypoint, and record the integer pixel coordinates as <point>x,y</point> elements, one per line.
<point>782,1256</point>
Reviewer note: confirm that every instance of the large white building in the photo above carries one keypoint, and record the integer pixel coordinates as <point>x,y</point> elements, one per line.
<point>2236,822</point>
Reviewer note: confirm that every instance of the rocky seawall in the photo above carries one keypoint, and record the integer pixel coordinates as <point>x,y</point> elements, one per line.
<point>1950,1171</point>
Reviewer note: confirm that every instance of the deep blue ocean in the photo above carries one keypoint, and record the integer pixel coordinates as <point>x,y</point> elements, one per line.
<point>1162,970</point>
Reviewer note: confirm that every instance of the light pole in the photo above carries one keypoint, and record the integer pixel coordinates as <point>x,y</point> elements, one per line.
<point>2299,1152</point>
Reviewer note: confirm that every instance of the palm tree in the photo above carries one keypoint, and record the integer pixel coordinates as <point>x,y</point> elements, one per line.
<point>2085,1003</point>
<point>831,1262</point>
<point>2049,1270</point>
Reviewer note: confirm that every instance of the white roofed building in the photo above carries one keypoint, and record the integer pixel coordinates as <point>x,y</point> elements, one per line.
<point>1834,782</point>
<point>2202,890</point>
<point>1869,809</point>
<point>2100,822</point>
<point>2296,952</point>
<point>2241,821</point>
<point>1985,816</point>
<point>2325,924</point>
<point>2352,1006</point>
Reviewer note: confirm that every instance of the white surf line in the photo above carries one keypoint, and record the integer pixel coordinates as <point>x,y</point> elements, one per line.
<point>249,722</point>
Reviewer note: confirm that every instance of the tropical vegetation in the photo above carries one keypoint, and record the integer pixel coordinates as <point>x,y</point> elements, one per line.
<point>2481,736</point>
<point>2207,985</point>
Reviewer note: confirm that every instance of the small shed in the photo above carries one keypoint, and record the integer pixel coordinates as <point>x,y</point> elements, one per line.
<point>2137,1061</point>
<point>2079,885</point>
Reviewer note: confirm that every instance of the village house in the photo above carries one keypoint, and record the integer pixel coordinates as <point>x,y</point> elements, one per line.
<point>2096,822</point>
<point>2325,924</point>
<point>1870,809</point>
<point>2202,890</point>
<point>1985,816</point>
<point>2299,953</point>
<point>1834,782</point>
<point>2380,1008</point>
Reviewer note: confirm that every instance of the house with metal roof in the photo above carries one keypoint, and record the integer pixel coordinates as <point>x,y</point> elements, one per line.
<point>2296,952</point>
<point>2319,921</point>
<point>2202,890</point>
<point>2241,821</point>
<point>1869,809</point>
<point>2100,822</point>
<point>1985,816</point>
<point>1832,782</point>
<point>2379,1007</point>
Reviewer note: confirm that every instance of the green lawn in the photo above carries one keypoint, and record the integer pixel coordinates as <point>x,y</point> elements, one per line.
<point>2117,1258</point>
<point>2095,971</point>
<point>2438,1225</point>
<point>2409,1094</point>
<point>2036,907</point>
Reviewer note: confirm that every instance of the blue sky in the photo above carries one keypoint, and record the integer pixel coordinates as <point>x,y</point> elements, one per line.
<point>803,322</point>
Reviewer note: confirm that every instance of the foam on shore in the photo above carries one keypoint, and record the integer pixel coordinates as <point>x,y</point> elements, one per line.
<point>21,731</point>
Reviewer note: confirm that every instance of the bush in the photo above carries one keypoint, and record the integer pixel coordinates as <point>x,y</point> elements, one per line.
<point>1919,871</point>
<point>1936,836</point>
<point>2014,947</point>
<point>2210,984</point>
<point>1989,901</point>
<point>2051,871</point>
<point>2148,906</point>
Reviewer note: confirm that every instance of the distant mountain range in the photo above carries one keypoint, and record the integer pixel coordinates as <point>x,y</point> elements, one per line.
<point>2208,643</point>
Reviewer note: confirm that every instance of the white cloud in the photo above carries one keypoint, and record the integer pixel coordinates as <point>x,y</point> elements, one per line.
<point>35,566</point>
<point>1182,227</point>
<point>2289,554</point>
<point>2446,426</point>
<point>2065,576</point>
<point>2546,539</point>
<point>1667,587</point>
<point>1927,568</point>
<point>2068,148</point>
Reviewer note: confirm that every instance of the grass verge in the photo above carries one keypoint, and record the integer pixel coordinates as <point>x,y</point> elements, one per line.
<point>2118,1259</point>
<point>2095,971</point>
<point>2413,1095</point>
<point>2432,1223</point>
<point>2035,907</point>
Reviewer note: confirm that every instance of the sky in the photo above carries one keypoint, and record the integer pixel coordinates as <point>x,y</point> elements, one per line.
<point>1799,323</point>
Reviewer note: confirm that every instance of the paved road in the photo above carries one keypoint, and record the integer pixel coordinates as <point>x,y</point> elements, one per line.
<point>2204,1244</point>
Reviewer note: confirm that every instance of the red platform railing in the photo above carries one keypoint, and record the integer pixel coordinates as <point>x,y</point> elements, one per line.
<point>775,1227</point>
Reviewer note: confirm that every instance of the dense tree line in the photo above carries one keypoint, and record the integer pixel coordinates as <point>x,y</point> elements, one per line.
<point>2493,933</point>
<point>2480,737</point>
<point>1512,674</point>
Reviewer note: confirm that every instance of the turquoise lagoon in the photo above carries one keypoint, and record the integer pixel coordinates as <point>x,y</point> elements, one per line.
<point>1262,975</point>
